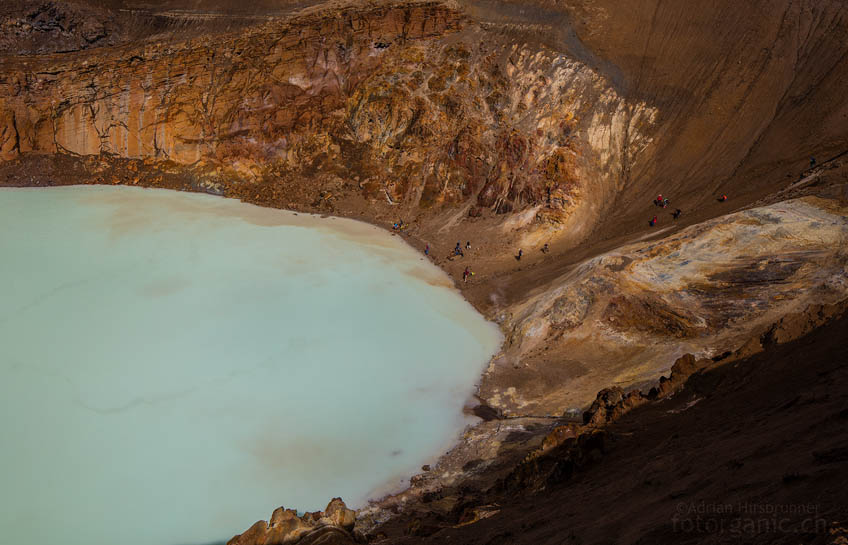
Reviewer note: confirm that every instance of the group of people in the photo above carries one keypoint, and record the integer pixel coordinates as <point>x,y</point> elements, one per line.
<point>459,251</point>
<point>676,214</point>
<point>663,202</point>
<point>660,201</point>
<point>467,273</point>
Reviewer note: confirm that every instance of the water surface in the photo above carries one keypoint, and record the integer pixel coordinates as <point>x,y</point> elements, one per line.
<point>174,365</point>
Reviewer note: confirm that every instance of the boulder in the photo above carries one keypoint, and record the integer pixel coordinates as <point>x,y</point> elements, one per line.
<point>603,405</point>
<point>335,524</point>
<point>286,527</point>
<point>339,515</point>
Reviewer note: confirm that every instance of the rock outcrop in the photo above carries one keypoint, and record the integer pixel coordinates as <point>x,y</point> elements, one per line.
<point>333,526</point>
<point>622,318</point>
<point>613,403</point>
<point>31,27</point>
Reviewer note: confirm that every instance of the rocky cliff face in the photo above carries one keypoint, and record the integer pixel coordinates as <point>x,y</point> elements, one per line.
<point>415,102</point>
<point>33,27</point>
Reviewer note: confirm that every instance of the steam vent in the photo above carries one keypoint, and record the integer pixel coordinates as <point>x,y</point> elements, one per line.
<point>483,272</point>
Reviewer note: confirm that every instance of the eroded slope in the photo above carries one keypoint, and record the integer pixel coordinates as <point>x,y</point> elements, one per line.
<point>622,318</point>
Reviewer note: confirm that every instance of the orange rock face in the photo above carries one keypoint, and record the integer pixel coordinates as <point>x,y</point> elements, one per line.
<point>415,101</point>
<point>234,97</point>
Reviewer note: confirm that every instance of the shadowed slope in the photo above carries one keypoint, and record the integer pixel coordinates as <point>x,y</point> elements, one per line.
<point>752,439</point>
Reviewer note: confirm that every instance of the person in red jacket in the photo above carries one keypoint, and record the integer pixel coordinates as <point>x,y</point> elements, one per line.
<point>653,221</point>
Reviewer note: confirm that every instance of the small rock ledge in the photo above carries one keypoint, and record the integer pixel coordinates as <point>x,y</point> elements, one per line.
<point>332,526</point>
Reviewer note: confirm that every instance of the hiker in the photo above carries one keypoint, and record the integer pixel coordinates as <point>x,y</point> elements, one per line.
<point>398,225</point>
<point>467,244</point>
<point>653,221</point>
<point>466,273</point>
<point>520,253</point>
<point>677,213</point>
<point>665,203</point>
<point>722,198</point>
<point>427,249</point>
<point>458,249</point>
<point>545,248</point>
<point>659,200</point>
<point>812,161</point>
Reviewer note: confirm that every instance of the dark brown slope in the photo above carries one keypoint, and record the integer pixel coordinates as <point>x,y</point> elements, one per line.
<point>766,433</point>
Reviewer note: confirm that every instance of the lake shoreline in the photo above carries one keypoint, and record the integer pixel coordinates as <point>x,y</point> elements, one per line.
<point>128,218</point>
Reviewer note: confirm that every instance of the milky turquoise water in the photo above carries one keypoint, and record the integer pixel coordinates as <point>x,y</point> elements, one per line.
<point>174,366</point>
